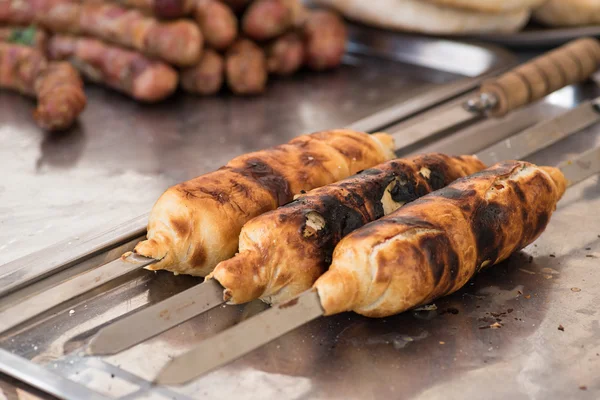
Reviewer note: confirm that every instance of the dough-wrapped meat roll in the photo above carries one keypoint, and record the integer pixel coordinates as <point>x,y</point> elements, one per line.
<point>178,42</point>
<point>433,246</point>
<point>57,86</point>
<point>284,251</point>
<point>196,224</point>
<point>125,70</point>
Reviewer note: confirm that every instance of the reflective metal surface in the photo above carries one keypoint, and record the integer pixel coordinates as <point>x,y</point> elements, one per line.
<point>452,352</point>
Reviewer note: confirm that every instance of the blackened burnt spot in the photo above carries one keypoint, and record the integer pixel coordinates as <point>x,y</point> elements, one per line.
<point>268,178</point>
<point>452,193</point>
<point>488,223</point>
<point>405,189</point>
<point>436,178</point>
<point>515,186</point>
<point>341,218</point>
<point>370,171</point>
<point>434,247</point>
<point>542,222</point>
<point>413,222</point>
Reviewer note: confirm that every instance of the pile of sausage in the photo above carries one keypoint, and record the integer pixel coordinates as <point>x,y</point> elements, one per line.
<point>146,48</point>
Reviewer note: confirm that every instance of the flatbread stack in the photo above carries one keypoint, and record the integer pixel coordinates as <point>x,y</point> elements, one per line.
<point>441,17</point>
<point>568,13</point>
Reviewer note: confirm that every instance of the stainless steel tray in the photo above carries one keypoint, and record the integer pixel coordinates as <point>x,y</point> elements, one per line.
<point>408,356</point>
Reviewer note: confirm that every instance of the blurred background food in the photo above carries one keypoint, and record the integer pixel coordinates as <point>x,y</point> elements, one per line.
<point>464,17</point>
<point>147,49</point>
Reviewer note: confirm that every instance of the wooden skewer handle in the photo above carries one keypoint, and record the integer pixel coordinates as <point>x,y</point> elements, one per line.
<point>571,63</point>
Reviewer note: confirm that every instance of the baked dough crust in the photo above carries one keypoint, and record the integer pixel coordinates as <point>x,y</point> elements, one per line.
<point>433,246</point>
<point>196,224</point>
<point>283,252</point>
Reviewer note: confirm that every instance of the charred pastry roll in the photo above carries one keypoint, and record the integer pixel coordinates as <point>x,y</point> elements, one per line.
<point>196,224</point>
<point>283,252</point>
<point>433,246</point>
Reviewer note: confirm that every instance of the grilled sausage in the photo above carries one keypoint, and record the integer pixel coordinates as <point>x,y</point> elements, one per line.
<point>20,67</point>
<point>178,42</point>
<point>206,78</point>
<point>433,246</point>
<point>267,19</point>
<point>59,90</point>
<point>246,68</point>
<point>196,224</point>
<point>26,36</point>
<point>286,54</point>
<point>325,37</point>
<point>124,70</point>
<point>57,86</point>
<point>218,23</point>
<point>284,251</point>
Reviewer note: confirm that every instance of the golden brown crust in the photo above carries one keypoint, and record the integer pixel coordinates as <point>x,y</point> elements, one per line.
<point>433,246</point>
<point>196,224</point>
<point>284,251</point>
